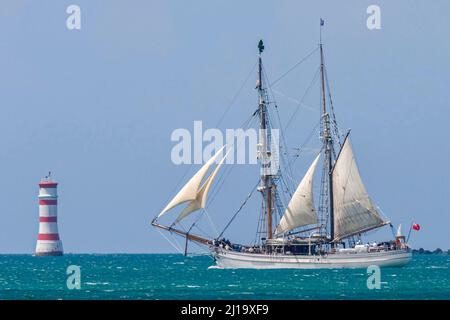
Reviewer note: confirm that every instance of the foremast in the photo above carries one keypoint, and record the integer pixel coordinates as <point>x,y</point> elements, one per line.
<point>264,151</point>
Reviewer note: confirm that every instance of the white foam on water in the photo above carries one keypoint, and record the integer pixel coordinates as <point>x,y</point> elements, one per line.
<point>214,267</point>
<point>96,283</point>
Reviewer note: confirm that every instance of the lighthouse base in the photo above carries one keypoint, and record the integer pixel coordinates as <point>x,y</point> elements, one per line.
<point>49,248</point>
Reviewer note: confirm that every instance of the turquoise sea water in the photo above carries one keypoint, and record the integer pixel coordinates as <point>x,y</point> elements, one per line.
<point>162,276</point>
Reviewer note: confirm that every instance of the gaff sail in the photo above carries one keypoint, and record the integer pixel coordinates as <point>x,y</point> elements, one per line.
<point>354,211</point>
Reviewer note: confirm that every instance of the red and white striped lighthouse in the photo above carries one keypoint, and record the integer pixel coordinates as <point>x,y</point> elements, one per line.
<point>48,243</point>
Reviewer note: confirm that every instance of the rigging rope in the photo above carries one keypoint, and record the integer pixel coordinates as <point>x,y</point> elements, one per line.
<point>338,134</point>
<point>217,188</point>
<point>170,242</point>
<point>211,222</point>
<point>188,169</point>
<point>283,139</point>
<point>224,175</point>
<point>303,98</point>
<point>306,142</point>
<point>240,208</point>
<point>236,95</point>
<point>295,66</point>
<point>282,155</point>
<point>300,103</point>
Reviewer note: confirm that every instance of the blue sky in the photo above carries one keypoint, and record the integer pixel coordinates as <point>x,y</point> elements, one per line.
<point>97,107</point>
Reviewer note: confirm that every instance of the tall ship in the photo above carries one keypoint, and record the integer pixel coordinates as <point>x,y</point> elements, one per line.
<point>295,233</point>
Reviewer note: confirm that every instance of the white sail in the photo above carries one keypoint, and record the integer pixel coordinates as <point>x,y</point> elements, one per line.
<point>354,212</point>
<point>202,195</point>
<point>300,210</point>
<point>189,191</point>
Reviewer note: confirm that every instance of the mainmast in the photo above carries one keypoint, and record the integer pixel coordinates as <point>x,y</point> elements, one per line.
<point>327,140</point>
<point>264,151</point>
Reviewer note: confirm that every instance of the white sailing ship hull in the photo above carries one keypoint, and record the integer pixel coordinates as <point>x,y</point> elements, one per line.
<point>238,260</point>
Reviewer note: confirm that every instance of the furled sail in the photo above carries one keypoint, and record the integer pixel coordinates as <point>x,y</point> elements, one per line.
<point>300,210</point>
<point>202,195</point>
<point>354,212</point>
<point>190,189</point>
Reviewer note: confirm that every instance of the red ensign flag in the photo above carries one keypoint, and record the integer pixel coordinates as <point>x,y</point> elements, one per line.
<point>416,226</point>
